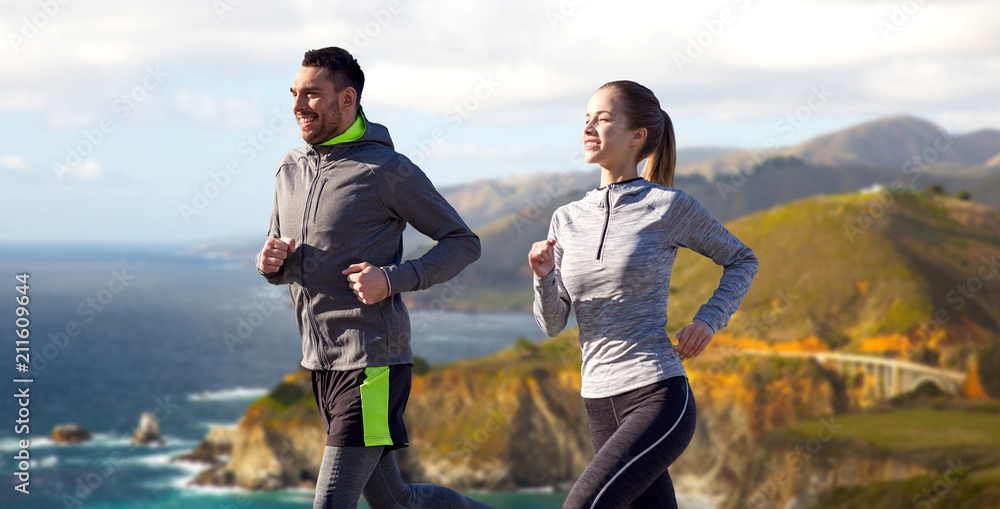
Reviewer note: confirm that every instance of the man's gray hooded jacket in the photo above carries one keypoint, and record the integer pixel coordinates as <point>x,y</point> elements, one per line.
<point>349,203</point>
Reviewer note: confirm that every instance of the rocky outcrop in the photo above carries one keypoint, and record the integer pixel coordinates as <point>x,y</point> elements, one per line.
<point>69,434</point>
<point>148,431</point>
<point>278,444</point>
<point>216,447</point>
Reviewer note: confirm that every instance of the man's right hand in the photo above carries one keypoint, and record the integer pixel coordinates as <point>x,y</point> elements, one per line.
<point>273,255</point>
<point>542,257</point>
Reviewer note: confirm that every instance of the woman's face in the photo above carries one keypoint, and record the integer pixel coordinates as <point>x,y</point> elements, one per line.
<point>607,140</point>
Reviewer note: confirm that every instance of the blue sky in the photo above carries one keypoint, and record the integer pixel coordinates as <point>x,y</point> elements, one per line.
<point>117,115</point>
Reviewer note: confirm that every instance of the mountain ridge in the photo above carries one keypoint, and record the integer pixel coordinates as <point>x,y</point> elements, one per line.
<point>887,142</point>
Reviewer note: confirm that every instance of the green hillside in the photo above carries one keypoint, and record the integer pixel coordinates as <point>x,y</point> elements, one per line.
<point>501,278</point>
<point>960,450</point>
<point>850,266</point>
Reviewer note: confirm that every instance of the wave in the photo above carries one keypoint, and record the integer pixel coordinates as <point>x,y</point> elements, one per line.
<point>184,484</point>
<point>207,425</point>
<point>46,462</point>
<point>97,441</point>
<point>152,460</point>
<point>237,393</point>
<point>537,489</point>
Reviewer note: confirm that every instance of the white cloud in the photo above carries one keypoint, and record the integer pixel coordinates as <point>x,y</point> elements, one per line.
<point>961,121</point>
<point>88,170</point>
<point>13,163</point>
<point>209,109</point>
<point>430,55</point>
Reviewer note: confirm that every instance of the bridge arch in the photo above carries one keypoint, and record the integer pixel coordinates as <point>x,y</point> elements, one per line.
<point>939,384</point>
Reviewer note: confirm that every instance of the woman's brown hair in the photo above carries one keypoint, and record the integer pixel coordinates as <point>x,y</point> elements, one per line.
<point>642,110</point>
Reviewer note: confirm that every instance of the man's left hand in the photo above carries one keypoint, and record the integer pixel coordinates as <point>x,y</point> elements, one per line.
<point>369,283</point>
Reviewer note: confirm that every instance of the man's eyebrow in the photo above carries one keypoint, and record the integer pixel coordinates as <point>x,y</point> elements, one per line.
<point>304,89</point>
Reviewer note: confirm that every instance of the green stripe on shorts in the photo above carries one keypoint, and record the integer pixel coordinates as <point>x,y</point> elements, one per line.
<point>375,406</point>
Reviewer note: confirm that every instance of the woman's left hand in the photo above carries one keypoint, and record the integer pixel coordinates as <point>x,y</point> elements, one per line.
<point>693,339</point>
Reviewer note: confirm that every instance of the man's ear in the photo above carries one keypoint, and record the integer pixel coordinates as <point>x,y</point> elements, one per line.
<point>348,97</point>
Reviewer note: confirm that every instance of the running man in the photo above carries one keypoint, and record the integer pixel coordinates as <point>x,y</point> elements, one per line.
<point>341,204</point>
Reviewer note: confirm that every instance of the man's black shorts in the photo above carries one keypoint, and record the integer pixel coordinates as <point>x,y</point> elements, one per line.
<point>363,407</point>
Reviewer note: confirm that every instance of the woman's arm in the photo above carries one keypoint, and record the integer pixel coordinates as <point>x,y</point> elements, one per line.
<point>552,302</point>
<point>691,225</point>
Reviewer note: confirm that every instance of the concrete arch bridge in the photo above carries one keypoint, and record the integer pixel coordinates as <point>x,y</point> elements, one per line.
<point>884,378</point>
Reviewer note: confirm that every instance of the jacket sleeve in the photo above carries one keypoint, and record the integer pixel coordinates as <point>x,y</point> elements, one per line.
<point>691,225</point>
<point>274,232</point>
<point>409,194</point>
<point>552,302</point>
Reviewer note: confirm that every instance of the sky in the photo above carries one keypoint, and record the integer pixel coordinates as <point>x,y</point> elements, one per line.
<point>138,121</point>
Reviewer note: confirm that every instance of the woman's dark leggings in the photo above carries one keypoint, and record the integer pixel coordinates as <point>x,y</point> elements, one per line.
<point>636,436</point>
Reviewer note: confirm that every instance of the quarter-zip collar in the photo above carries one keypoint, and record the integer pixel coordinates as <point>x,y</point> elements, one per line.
<point>600,196</point>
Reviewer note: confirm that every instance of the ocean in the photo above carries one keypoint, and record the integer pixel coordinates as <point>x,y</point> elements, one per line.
<point>120,330</point>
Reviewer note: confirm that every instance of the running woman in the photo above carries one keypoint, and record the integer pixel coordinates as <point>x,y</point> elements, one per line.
<point>608,257</point>
<point>340,206</point>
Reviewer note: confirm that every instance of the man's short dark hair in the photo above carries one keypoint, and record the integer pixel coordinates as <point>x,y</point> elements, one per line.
<point>342,66</point>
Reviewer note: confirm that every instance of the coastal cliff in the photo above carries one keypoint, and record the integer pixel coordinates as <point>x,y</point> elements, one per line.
<point>277,444</point>
<point>510,420</point>
<point>772,432</point>
<point>515,419</point>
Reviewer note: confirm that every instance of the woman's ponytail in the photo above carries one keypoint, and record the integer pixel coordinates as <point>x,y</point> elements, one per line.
<point>661,163</point>
<point>643,111</point>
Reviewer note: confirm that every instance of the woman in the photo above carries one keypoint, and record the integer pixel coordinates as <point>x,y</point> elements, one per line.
<point>609,257</point>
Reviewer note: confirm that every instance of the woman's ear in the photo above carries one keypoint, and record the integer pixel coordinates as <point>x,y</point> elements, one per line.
<point>638,137</point>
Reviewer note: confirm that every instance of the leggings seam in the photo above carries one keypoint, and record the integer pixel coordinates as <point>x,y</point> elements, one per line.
<point>614,412</point>
<point>687,395</point>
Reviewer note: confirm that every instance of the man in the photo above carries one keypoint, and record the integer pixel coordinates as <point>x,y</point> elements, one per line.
<point>340,207</point>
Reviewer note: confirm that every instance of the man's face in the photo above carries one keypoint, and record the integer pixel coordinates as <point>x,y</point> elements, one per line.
<point>318,105</point>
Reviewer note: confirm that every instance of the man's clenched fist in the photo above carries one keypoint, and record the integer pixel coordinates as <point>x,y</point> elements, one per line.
<point>274,253</point>
<point>369,283</point>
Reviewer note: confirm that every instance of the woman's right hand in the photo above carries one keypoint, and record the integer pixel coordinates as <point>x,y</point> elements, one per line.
<point>542,257</point>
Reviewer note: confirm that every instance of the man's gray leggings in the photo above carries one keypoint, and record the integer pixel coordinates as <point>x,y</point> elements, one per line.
<point>348,472</point>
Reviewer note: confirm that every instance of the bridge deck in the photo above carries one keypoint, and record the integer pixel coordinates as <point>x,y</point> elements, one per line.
<point>901,365</point>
